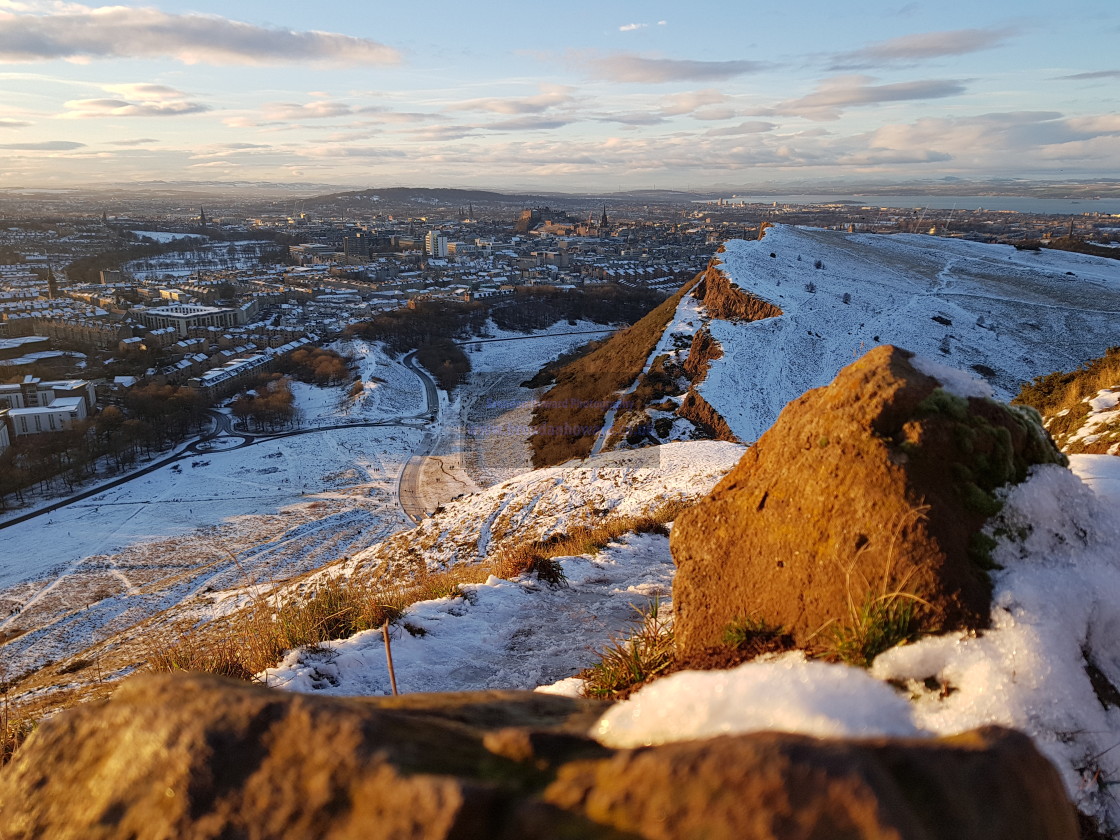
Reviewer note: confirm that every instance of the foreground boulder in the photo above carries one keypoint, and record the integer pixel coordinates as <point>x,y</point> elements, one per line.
<point>200,757</point>
<point>869,491</point>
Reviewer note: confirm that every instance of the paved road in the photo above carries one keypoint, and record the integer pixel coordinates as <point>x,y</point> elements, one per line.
<point>534,337</point>
<point>408,485</point>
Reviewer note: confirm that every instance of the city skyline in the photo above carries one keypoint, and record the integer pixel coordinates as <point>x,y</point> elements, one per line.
<point>582,97</point>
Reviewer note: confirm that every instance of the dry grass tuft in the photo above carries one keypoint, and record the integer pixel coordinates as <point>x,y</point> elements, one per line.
<point>14,729</point>
<point>1060,397</point>
<point>627,664</point>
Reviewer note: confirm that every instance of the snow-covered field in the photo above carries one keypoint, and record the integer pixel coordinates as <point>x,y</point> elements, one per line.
<point>542,502</point>
<point>389,391</point>
<point>486,425</point>
<point>211,521</point>
<point>212,256</point>
<point>1006,314</point>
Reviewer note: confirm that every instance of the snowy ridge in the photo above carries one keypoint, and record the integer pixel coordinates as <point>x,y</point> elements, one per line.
<point>1009,315</point>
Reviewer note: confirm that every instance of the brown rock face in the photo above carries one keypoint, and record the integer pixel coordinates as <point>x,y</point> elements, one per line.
<point>184,757</point>
<point>189,757</point>
<point>698,410</point>
<point>774,786</point>
<point>877,484</point>
<point>725,300</point>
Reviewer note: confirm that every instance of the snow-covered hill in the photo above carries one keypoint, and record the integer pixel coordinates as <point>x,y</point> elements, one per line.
<point>1003,314</point>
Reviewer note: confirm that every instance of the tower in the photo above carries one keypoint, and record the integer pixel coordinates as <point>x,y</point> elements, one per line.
<point>202,216</point>
<point>603,219</point>
<point>52,283</point>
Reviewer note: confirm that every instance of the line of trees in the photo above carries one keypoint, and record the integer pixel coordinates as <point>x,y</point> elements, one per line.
<point>269,405</point>
<point>317,366</point>
<point>150,419</point>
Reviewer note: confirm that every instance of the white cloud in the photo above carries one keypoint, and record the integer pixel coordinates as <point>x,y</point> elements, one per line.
<point>551,96</point>
<point>626,67</point>
<point>13,124</point>
<point>81,33</point>
<point>135,100</point>
<point>685,103</point>
<point>920,47</point>
<point>631,27</point>
<point>45,146</point>
<point>306,111</point>
<point>840,92</point>
<point>753,127</point>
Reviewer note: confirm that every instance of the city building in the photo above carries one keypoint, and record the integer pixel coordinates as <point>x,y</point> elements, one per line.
<point>184,316</point>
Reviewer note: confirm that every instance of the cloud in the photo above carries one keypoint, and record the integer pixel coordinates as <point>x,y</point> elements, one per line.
<point>92,108</point>
<point>530,122</point>
<point>140,141</point>
<point>755,127</point>
<point>136,100</point>
<point>1096,74</point>
<point>626,67</point>
<point>551,96</point>
<point>13,123</point>
<point>630,27</point>
<point>632,118</point>
<point>352,152</point>
<point>685,103</point>
<point>835,94</point>
<point>78,32</point>
<point>989,139</point>
<point>309,111</point>
<point>922,46</point>
<point>46,146</point>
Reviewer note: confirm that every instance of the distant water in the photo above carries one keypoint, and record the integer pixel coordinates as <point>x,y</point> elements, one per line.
<point>1021,204</point>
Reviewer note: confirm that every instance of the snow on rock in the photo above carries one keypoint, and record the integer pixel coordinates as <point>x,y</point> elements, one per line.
<point>988,308</point>
<point>500,634</point>
<point>956,382</point>
<point>790,694</point>
<point>1044,665</point>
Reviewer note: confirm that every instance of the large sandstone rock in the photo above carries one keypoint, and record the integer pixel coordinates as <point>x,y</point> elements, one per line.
<point>191,757</point>
<point>875,485</point>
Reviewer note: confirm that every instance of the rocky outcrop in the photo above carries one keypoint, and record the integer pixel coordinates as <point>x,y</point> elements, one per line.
<point>196,757</point>
<point>872,490</point>
<point>699,411</point>
<point>723,299</point>
<point>703,351</point>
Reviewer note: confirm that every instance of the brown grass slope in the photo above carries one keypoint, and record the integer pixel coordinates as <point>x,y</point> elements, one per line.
<point>571,413</point>
<point>1061,399</point>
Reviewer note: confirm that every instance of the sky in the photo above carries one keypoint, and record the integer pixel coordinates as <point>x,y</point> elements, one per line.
<point>563,96</point>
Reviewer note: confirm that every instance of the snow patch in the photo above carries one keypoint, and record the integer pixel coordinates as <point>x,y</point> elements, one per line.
<point>790,694</point>
<point>956,382</point>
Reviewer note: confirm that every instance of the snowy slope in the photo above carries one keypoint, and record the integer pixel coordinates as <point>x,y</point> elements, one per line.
<point>1009,315</point>
<point>542,502</point>
<point>502,634</point>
